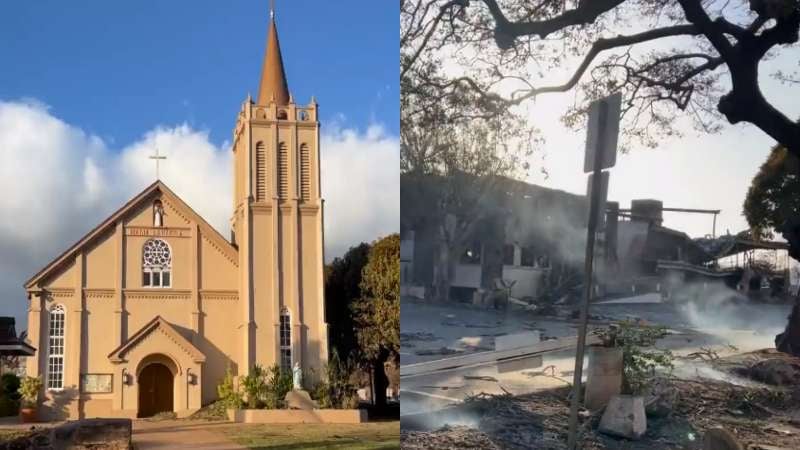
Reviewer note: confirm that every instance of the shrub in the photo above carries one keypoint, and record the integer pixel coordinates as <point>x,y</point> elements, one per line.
<point>277,386</point>
<point>266,388</point>
<point>255,387</point>
<point>336,390</point>
<point>640,360</point>
<point>229,396</point>
<point>9,386</point>
<point>29,390</point>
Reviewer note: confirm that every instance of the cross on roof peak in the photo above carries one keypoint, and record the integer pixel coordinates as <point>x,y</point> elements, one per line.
<point>157,159</point>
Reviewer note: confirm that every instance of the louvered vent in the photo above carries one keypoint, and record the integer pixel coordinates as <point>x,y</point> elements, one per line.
<point>261,172</point>
<point>283,171</point>
<point>305,172</point>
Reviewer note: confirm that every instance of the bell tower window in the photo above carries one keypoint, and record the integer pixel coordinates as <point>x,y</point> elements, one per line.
<point>156,264</point>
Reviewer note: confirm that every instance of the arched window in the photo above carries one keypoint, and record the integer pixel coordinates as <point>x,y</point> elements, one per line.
<point>286,340</point>
<point>156,264</point>
<point>305,172</point>
<point>261,172</point>
<point>283,170</point>
<point>55,348</point>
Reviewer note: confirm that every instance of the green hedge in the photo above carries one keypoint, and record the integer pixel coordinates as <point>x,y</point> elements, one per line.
<point>9,395</point>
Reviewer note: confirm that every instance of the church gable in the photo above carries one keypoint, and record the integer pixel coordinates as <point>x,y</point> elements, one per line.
<point>156,203</point>
<point>172,213</point>
<point>163,336</point>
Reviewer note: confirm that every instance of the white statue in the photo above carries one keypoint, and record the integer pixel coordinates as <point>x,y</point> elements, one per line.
<point>158,216</point>
<point>297,376</point>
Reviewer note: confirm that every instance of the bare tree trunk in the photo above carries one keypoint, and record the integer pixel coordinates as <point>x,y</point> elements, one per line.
<point>380,382</point>
<point>789,340</point>
<point>444,270</point>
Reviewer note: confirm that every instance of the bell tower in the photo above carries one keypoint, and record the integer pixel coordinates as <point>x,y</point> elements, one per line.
<point>277,224</point>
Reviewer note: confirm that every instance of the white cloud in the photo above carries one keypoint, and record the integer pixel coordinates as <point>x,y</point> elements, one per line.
<point>59,182</point>
<point>361,186</point>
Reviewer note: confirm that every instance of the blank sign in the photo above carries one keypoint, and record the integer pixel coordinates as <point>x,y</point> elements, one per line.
<point>613,105</point>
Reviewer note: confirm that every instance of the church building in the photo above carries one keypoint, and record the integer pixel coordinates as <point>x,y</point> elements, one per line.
<point>147,312</point>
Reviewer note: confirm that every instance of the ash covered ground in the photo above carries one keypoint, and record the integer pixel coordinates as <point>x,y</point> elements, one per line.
<point>713,342</point>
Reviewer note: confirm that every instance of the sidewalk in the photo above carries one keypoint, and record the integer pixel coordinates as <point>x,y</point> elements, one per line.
<point>181,434</point>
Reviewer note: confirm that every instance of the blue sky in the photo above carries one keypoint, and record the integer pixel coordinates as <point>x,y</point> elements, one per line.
<point>119,68</point>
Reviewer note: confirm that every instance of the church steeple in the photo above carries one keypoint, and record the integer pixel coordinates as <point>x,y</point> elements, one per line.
<point>273,86</point>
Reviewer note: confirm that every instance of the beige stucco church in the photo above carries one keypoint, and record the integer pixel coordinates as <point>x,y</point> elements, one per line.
<point>147,311</point>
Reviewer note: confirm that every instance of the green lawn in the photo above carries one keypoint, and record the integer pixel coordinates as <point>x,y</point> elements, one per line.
<point>365,436</point>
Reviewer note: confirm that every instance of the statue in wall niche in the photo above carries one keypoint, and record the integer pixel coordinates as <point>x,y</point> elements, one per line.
<point>297,376</point>
<point>158,214</point>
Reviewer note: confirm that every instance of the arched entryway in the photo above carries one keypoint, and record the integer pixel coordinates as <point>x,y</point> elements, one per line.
<point>156,389</point>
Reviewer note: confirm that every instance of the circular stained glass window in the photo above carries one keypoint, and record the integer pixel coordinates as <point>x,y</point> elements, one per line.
<point>157,254</point>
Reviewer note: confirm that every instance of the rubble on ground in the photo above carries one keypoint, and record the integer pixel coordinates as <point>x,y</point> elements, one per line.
<point>758,415</point>
<point>448,437</point>
<point>441,351</point>
<point>419,336</point>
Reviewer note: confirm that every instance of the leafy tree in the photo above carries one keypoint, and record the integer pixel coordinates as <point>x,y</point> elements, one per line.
<point>696,58</point>
<point>452,173</point>
<point>772,202</point>
<point>336,388</point>
<point>377,314</point>
<point>342,287</point>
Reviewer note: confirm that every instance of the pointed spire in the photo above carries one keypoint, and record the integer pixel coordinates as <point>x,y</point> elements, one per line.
<point>273,78</point>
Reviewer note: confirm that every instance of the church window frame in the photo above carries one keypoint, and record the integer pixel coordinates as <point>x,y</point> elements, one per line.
<point>285,340</point>
<point>156,264</point>
<point>56,344</point>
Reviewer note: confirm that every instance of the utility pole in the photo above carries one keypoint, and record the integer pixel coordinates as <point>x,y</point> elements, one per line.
<point>601,149</point>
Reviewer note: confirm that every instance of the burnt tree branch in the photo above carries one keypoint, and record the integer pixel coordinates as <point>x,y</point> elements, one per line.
<point>587,12</point>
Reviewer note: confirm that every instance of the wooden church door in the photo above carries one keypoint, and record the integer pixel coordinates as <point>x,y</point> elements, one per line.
<point>155,390</point>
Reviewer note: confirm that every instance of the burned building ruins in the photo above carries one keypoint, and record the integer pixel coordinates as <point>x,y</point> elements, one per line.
<point>489,235</point>
<point>513,235</point>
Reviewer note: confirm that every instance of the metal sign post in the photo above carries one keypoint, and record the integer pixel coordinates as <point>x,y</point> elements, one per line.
<point>600,154</point>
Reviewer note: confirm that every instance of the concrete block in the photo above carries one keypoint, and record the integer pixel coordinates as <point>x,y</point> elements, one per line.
<point>300,399</point>
<point>297,415</point>
<point>603,377</point>
<point>624,417</point>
